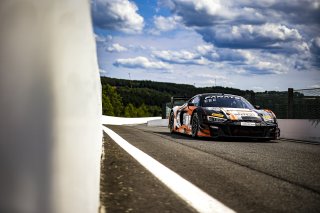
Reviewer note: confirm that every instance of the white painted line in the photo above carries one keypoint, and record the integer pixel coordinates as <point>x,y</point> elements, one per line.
<point>194,196</point>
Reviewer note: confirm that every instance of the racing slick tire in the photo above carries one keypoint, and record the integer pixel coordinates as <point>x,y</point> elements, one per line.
<point>171,122</point>
<point>194,125</point>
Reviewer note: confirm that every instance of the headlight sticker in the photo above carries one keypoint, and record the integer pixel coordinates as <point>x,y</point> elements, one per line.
<point>218,115</point>
<point>215,119</point>
<point>267,117</point>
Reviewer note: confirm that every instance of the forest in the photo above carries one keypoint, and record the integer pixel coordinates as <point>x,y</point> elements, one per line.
<point>132,98</point>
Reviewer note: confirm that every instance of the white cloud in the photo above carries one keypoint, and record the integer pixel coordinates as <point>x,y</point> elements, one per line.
<point>315,86</point>
<point>317,42</point>
<point>261,63</point>
<point>207,78</point>
<point>315,50</point>
<point>103,72</point>
<point>166,23</point>
<point>258,89</point>
<point>276,31</point>
<point>218,54</point>
<point>250,36</point>
<point>100,38</point>
<point>116,48</point>
<point>252,24</point>
<point>180,57</point>
<point>213,76</point>
<point>141,62</point>
<point>210,7</point>
<point>204,12</point>
<point>201,12</point>
<point>269,44</point>
<point>204,49</point>
<point>118,15</point>
<point>241,61</point>
<point>302,47</point>
<point>276,68</point>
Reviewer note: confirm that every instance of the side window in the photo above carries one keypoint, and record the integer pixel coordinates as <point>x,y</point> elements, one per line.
<point>196,101</point>
<point>191,101</point>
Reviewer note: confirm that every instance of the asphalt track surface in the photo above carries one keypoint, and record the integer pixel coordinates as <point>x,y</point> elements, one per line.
<point>247,176</point>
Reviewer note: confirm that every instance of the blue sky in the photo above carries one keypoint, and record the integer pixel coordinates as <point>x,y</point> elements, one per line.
<point>256,45</point>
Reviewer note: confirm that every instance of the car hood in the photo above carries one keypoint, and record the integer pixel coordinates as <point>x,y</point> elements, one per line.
<point>241,113</point>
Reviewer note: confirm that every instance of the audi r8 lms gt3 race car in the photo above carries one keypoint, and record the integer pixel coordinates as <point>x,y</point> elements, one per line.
<point>223,115</point>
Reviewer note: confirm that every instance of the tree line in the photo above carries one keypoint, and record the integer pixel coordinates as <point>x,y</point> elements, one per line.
<point>113,104</point>
<point>145,98</point>
<point>127,98</point>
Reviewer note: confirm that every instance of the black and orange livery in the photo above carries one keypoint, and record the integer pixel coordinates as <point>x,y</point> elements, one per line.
<point>223,115</point>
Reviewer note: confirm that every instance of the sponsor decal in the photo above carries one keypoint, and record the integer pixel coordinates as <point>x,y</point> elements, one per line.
<point>213,108</point>
<point>210,100</point>
<point>243,114</point>
<point>221,96</point>
<point>232,116</point>
<point>267,117</point>
<point>248,124</point>
<point>186,119</point>
<point>218,115</point>
<point>214,98</point>
<point>178,120</point>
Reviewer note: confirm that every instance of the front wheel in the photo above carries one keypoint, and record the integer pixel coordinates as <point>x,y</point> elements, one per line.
<point>195,125</point>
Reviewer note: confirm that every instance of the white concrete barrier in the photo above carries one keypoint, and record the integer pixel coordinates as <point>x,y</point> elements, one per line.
<point>50,130</point>
<point>300,129</point>
<point>158,122</point>
<point>126,121</point>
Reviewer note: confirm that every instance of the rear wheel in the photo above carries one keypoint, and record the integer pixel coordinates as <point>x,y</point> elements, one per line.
<point>195,125</point>
<point>171,122</point>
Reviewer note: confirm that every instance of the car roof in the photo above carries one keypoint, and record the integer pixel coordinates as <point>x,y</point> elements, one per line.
<point>206,94</point>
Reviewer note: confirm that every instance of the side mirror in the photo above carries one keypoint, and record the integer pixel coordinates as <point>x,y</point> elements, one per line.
<point>257,106</point>
<point>190,104</point>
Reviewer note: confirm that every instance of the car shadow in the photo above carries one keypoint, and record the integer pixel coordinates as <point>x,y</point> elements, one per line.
<point>208,139</point>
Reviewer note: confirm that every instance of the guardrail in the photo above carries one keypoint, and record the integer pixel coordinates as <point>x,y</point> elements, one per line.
<point>291,104</point>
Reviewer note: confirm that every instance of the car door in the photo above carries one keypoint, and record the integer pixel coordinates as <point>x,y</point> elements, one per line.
<point>186,111</point>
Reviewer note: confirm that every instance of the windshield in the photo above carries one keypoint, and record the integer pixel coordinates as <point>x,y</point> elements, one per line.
<point>226,101</point>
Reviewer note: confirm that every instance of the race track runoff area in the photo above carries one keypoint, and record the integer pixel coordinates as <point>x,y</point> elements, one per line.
<point>245,176</point>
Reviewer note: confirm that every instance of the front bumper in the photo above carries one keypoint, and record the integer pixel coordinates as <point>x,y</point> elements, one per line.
<point>261,130</point>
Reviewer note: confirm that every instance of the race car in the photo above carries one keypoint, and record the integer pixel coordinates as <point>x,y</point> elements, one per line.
<point>223,115</point>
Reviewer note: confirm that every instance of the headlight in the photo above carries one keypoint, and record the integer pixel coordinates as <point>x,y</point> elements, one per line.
<point>215,119</point>
<point>268,118</point>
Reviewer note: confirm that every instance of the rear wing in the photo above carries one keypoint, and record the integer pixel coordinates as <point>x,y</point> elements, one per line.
<point>175,101</point>
<point>178,101</point>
